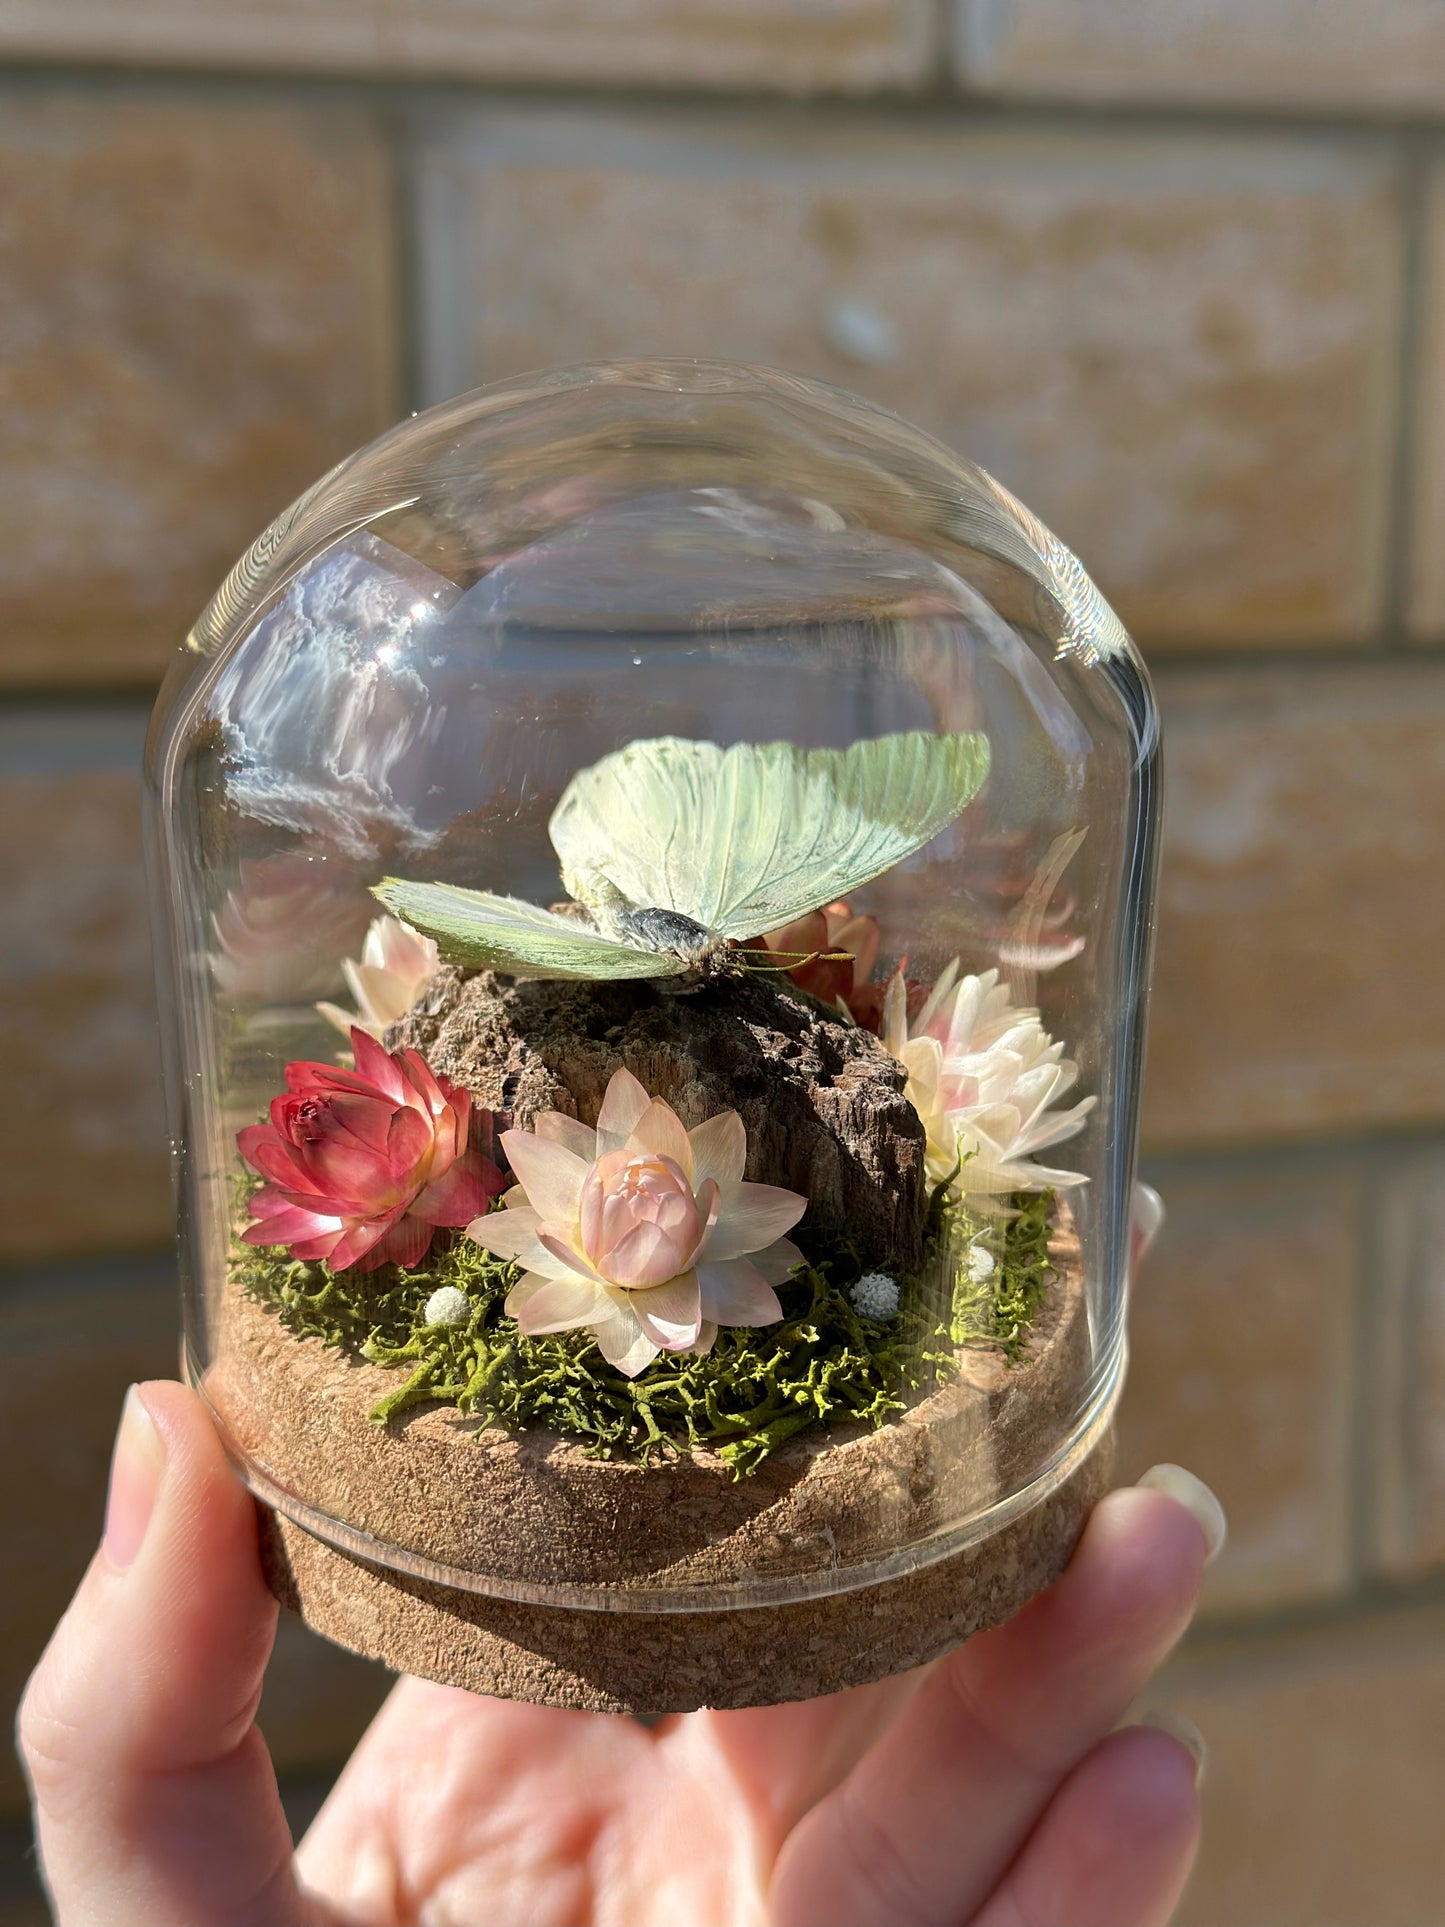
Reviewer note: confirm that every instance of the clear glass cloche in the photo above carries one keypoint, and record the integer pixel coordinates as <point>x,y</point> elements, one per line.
<point>654,865</point>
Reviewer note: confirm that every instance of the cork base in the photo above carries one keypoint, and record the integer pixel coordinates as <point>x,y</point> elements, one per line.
<point>701,1572</point>
<point>669,1662</point>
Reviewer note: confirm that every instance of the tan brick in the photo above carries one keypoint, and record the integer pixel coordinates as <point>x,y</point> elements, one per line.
<point>1388,56</point>
<point>1241,1367</point>
<point>1298,987</point>
<point>195,322</point>
<point>1177,351</point>
<point>1407,1430</point>
<point>792,45</point>
<point>1427,557</point>
<point>82,1134</point>
<point>1326,1776</point>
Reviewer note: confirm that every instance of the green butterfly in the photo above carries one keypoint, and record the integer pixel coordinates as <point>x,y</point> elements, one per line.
<point>677,849</point>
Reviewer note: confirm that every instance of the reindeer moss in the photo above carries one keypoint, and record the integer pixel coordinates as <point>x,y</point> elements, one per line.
<point>821,1365</point>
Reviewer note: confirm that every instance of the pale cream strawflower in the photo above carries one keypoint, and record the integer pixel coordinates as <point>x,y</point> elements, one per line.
<point>986,1079</point>
<point>396,965</point>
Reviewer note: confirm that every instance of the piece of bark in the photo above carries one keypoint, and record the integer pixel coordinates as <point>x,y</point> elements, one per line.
<point>821,1100</point>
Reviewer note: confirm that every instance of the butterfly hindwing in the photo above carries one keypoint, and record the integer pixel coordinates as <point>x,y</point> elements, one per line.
<point>743,840</point>
<point>487,932</point>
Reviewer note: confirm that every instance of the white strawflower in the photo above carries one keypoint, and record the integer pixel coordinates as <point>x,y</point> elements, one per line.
<point>875,1296</point>
<point>447,1306</point>
<point>396,965</point>
<point>984,1075</point>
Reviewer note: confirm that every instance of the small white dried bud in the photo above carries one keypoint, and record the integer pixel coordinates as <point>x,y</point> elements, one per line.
<point>447,1306</point>
<point>875,1296</point>
<point>981,1264</point>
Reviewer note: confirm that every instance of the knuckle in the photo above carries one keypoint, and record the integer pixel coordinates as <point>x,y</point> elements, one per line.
<point>50,1742</point>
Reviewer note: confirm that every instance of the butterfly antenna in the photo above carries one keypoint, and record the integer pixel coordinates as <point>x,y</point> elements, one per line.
<point>796,959</point>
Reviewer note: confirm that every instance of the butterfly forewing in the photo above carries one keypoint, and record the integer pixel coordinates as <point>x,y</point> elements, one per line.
<point>734,842</point>
<point>745,839</point>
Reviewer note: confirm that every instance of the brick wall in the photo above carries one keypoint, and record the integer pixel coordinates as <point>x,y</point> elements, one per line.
<point>1175,273</point>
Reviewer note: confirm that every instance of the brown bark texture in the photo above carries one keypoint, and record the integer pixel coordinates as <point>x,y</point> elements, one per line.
<point>821,1100</point>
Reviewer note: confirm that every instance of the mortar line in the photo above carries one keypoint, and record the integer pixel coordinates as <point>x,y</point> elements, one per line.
<point>1239,1635</point>
<point>103,703</point>
<point>940,78</point>
<point>940,106</point>
<point>1399,557</point>
<point>1363,1416</point>
<point>1390,642</point>
<point>106,1270</point>
<point>1290,1154</point>
<point>390,119</point>
<point>1267,659</point>
<point>407,251</point>
<point>1397,654</point>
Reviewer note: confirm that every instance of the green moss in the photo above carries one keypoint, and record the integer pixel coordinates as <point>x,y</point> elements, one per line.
<point>997,1311</point>
<point>821,1365</point>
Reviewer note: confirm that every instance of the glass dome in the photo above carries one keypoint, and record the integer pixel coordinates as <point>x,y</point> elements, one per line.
<point>655,869</point>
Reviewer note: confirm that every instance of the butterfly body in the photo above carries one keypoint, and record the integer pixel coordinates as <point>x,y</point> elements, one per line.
<point>668,932</point>
<point>680,851</point>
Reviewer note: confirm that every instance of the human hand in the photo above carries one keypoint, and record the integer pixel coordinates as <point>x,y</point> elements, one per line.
<point>990,1787</point>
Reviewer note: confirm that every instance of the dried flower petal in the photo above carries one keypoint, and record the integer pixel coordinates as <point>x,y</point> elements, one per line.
<point>397,963</point>
<point>641,1230</point>
<point>363,1164</point>
<point>834,953</point>
<point>986,1078</point>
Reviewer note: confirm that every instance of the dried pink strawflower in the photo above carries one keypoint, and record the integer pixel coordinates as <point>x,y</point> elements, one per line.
<point>642,1230</point>
<point>835,952</point>
<point>363,1165</point>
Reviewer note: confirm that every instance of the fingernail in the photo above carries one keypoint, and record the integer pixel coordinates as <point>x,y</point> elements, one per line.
<point>135,1479</point>
<point>1195,1496</point>
<point>1148,1219</point>
<point>1180,1728</point>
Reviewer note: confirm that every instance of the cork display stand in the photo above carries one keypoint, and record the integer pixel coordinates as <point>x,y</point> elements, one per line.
<point>683,1585</point>
<point>534,1510</point>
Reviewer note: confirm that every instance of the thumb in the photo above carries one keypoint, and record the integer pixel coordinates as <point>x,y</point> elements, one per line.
<point>154,1794</point>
